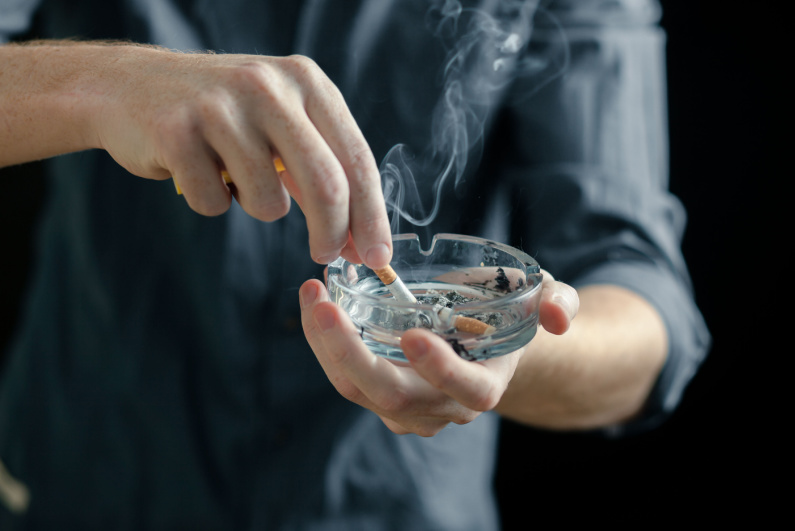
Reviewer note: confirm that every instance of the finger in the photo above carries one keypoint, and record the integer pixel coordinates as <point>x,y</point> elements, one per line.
<point>369,224</point>
<point>311,294</point>
<point>424,427</point>
<point>349,252</point>
<point>474,385</point>
<point>559,305</point>
<point>248,159</point>
<point>320,180</point>
<point>195,169</point>
<point>344,353</point>
<point>381,386</point>
<point>393,390</point>
<point>289,183</point>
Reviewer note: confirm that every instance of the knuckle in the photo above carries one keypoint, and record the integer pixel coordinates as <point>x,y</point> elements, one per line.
<point>331,190</point>
<point>465,416</point>
<point>362,174</point>
<point>443,378</point>
<point>210,206</point>
<point>213,104</point>
<point>269,208</point>
<point>304,66</point>
<point>257,74</point>
<point>340,356</point>
<point>346,389</point>
<point>429,430</point>
<point>486,400</point>
<point>311,79</point>
<point>260,80</point>
<point>362,162</point>
<point>393,426</point>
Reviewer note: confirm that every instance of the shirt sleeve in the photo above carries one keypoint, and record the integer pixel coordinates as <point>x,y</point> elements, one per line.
<point>15,17</point>
<point>589,158</point>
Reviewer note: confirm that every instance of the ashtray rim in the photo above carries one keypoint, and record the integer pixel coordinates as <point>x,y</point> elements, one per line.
<point>472,306</point>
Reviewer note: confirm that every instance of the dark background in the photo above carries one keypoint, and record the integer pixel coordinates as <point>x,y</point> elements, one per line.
<point>717,456</point>
<point>717,452</point>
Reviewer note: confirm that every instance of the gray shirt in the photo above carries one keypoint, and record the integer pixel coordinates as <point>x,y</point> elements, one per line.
<point>161,379</point>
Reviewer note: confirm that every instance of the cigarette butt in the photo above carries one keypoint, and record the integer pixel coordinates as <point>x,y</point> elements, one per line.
<point>386,274</point>
<point>399,290</point>
<point>469,325</point>
<point>473,326</point>
<point>277,163</point>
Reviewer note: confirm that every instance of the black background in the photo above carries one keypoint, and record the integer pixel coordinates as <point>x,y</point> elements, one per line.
<point>718,456</point>
<point>718,452</point>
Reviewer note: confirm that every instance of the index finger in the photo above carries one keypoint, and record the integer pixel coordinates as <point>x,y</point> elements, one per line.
<point>369,224</point>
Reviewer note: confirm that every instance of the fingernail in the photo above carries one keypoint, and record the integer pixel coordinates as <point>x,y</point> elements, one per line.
<point>377,256</point>
<point>325,260</point>
<point>564,302</point>
<point>417,347</point>
<point>324,319</point>
<point>309,294</point>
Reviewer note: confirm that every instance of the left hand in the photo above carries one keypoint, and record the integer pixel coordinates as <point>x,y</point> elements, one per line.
<point>437,386</point>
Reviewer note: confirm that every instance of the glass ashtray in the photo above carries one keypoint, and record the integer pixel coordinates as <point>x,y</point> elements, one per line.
<point>481,296</point>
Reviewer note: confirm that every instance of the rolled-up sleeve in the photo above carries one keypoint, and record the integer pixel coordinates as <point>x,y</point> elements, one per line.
<point>589,171</point>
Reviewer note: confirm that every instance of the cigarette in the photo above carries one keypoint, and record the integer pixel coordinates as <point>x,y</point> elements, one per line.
<point>399,290</point>
<point>394,284</point>
<point>469,325</point>
<point>473,326</point>
<point>277,163</point>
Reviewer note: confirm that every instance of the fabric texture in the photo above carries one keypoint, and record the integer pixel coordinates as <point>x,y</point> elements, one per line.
<point>161,379</point>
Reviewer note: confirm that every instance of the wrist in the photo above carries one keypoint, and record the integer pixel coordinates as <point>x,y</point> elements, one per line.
<point>57,95</point>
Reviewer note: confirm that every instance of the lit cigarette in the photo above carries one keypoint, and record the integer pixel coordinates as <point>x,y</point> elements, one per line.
<point>277,163</point>
<point>399,290</point>
<point>394,284</point>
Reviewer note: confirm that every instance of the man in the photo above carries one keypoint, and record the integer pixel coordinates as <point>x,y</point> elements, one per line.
<point>161,381</point>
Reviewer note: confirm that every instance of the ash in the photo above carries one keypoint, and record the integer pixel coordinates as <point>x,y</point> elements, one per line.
<point>450,298</point>
<point>461,350</point>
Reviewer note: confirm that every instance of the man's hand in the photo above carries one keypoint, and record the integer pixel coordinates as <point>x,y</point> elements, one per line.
<point>162,114</point>
<point>437,387</point>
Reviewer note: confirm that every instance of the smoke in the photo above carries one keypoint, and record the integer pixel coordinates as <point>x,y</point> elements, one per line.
<point>485,53</point>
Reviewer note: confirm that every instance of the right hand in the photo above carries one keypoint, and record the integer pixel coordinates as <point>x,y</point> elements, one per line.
<point>192,115</point>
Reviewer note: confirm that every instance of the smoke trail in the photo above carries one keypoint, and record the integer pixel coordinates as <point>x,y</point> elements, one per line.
<point>485,52</point>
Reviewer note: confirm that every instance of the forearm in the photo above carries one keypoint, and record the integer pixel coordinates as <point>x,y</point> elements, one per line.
<point>163,114</point>
<point>598,373</point>
<point>52,93</point>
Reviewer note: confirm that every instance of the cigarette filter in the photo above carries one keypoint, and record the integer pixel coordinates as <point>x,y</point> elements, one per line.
<point>394,284</point>
<point>399,290</point>
<point>468,324</point>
